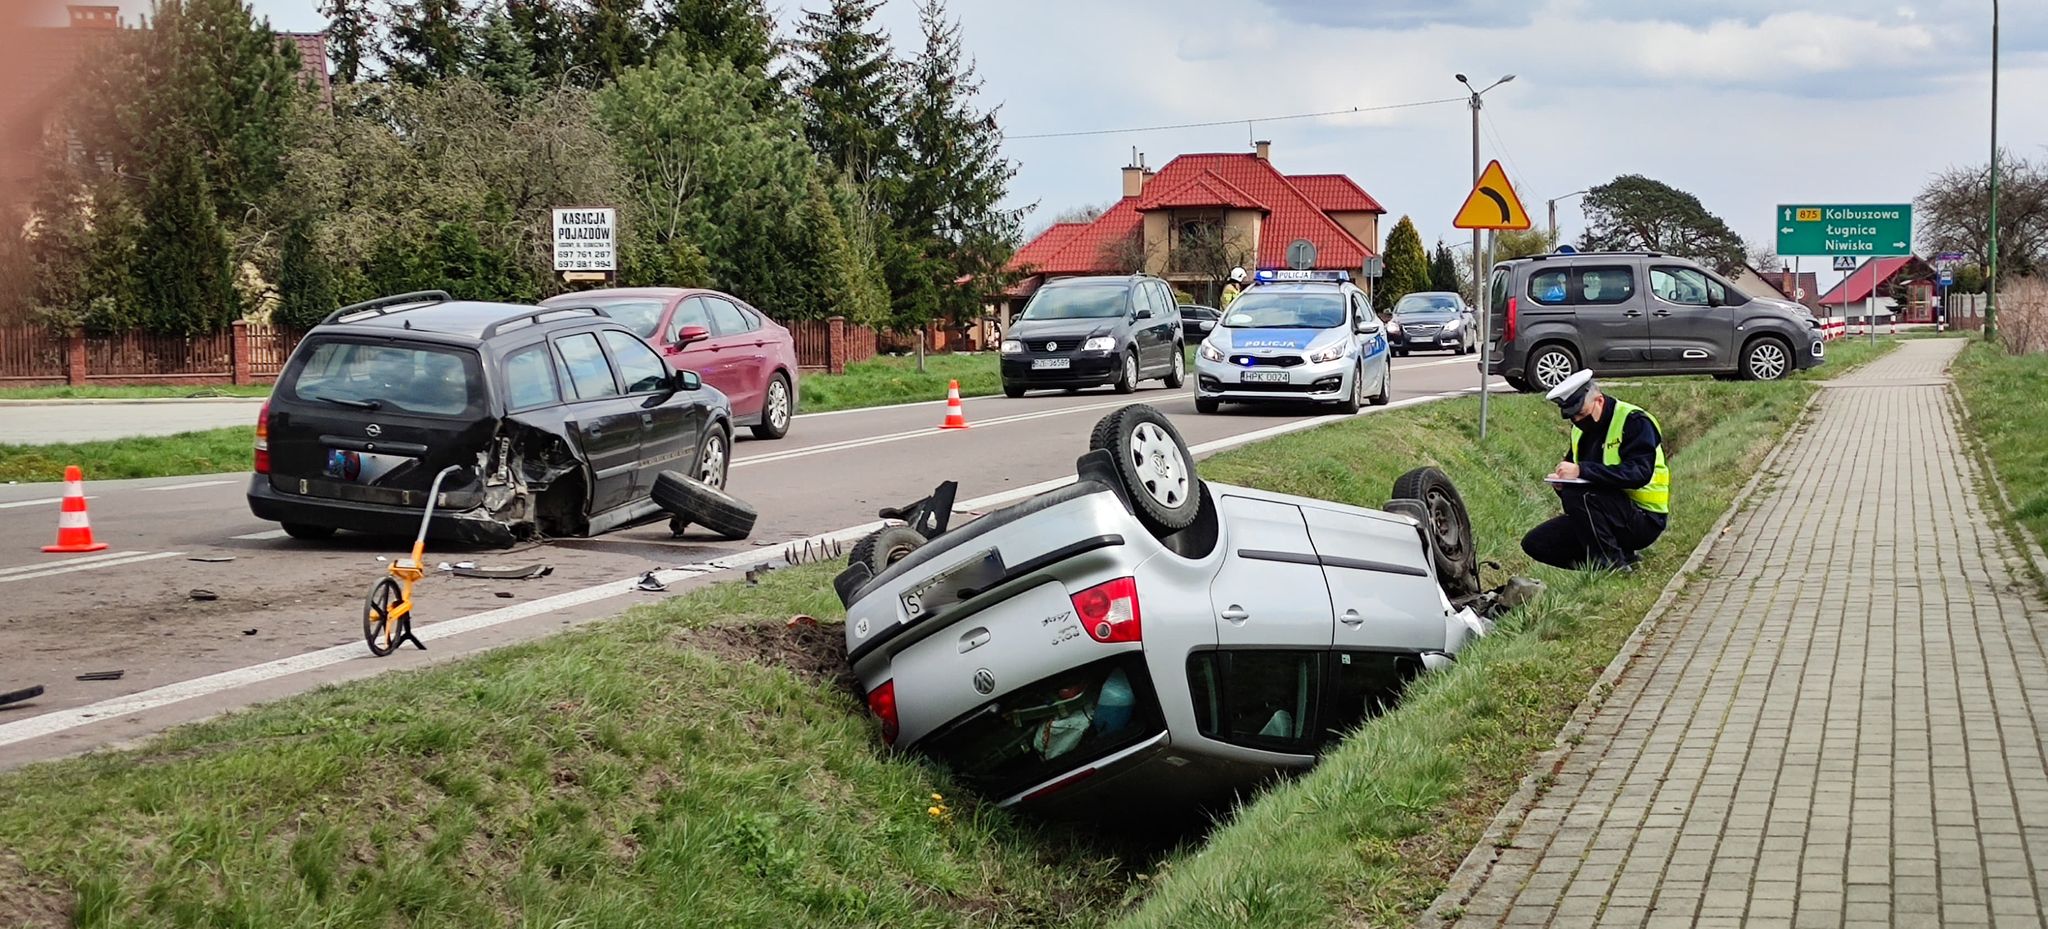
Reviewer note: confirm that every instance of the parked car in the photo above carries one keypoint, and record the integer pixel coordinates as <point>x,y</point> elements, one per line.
<point>1296,337</point>
<point>1090,331</point>
<point>733,346</point>
<point>1432,320</point>
<point>1143,638</point>
<point>560,417</point>
<point>1639,313</point>
<point>1196,321</point>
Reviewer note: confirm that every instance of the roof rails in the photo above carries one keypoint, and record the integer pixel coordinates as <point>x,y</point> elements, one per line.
<point>533,317</point>
<point>386,304</point>
<point>1551,255</point>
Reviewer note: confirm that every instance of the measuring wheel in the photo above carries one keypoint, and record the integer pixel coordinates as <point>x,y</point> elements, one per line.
<point>381,629</point>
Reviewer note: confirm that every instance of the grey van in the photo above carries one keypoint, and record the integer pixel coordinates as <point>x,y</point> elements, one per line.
<point>1638,313</point>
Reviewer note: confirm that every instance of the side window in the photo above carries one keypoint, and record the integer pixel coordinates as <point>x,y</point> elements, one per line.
<point>753,318</point>
<point>691,313</point>
<point>726,317</point>
<point>1716,293</point>
<point>1362,685</point>
<point>529,378</point>
<point>590,376</point>
<point>1603,286</point>
<point>1548,287</point>
<point>641,369</point>
<point>1360,312</point>
<point>1682,286</point>
<point>1258,699</point>
<point>1163,306</point>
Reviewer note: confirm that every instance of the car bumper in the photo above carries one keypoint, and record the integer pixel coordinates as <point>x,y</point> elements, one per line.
<point>474,526</point>
<point>1315,382</point>
<point>1440,340</point>
<point>1084,369</point>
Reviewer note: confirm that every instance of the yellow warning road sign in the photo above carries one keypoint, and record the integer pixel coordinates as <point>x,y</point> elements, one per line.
<point>1492,203</point>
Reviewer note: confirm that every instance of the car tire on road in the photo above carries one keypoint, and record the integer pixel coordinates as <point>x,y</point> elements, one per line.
<point>692,501</point>
<point>1207,404</point>
<point>1400,353</point>
<point>777,405</point>
<point>307,532</point>
<point>1449,527</point>
<point>1386,393</point>
<point>1355,398</point>
<point>884,547</point>
<point>1155,466</point>
<point>1179,374</point>
<point>1127,376</point>
<point>1766,358</point>
<point>1520,384</point>
<point>1012,391</point>
<point>1550,364</point>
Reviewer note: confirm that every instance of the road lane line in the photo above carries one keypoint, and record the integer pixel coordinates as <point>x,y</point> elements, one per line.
<point>149,490</point>
<point>127,559</point>
<point>39,501</point>
<point>259,536</point>
<point>851,444</point>
<point>46,565</point>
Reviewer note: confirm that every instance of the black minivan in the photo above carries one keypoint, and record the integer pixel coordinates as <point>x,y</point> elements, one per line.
<point>1089,331</point>
<point>559,419</point>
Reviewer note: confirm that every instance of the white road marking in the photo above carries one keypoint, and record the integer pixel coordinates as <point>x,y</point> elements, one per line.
<point>259,536</point>
<point>125,559</point>
<point>41,501</point>
<point>46,565</point>
<point>186,486</point>
<point>61,720</point>
<point>915,433</point>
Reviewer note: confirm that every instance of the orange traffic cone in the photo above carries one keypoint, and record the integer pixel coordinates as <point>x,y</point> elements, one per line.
<point>956,418</point>
<point>74,529</point>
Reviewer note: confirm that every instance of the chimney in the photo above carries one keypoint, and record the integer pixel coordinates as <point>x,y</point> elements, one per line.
<point>1135,175</point>
<point>95,17</point>
<point>1264,148</point>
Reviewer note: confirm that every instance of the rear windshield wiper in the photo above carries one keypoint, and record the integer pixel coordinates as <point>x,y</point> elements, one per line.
<point>342,401</point>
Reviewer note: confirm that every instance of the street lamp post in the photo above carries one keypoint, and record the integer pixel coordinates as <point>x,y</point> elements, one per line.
<point>1481,271</point>
<point>1553,213</point>
<point>1991,277</point>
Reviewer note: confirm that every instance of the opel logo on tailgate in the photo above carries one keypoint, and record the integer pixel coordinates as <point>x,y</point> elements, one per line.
<point>373,430</point>
<point>984,682</point>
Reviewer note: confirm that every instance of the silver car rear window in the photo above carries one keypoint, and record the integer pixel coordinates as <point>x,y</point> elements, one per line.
<point>1052,726</point>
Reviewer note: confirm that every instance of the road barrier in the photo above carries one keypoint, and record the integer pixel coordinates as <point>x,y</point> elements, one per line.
<point>1832,329</point>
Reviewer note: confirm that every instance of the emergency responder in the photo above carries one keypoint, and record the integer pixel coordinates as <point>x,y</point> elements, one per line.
<point>1231,290</point>
<point>1613,483</point>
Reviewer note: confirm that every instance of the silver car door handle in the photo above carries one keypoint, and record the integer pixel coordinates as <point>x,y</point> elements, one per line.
<point>1351,618</point>
<point>1236,614</point>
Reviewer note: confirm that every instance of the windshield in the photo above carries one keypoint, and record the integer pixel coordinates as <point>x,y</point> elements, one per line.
<point>641,316</point>
<point>1286,310</point>
<point>1087,302</point>
<point>406,379</point>
<point>1426,305</point>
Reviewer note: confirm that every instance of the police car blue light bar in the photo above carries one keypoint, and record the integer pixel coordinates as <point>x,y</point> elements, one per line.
<point>1277,275</point>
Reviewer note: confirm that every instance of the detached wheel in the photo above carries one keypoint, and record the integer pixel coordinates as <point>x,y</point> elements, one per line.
<point>693,501</point>
<point>1154,465</point>
<point>306,532</point>
<point>1449,527</point>
<point>777,406</point>
<point>884,547</point>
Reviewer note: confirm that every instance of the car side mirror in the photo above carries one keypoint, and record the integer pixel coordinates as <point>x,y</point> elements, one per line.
<point>1144,313</point>
<point>1208,325</point>
<point>690,335</point>
<point>686,380</point>
<point>1368,325</point>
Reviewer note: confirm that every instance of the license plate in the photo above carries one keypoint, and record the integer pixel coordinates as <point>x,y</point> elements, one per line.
<point>1051,364</point>
<point>361,467</point>
<point>979,572</point>
<point>1265,377</point>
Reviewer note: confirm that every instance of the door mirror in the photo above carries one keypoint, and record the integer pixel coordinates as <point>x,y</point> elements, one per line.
<point>1208,325</point>
<point>1368,325</point>
<point>686,380</point>
<point>690,335</point>
<point>1144,312</point>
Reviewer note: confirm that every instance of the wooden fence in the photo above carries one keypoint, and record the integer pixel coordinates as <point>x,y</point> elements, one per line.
<point>248,353</point>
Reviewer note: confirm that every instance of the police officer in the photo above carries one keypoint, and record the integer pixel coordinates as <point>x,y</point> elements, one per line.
<point>1232,289</point>
<point>1613,483</point>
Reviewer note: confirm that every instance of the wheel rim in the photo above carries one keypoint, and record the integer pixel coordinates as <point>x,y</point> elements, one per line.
<point>1552,368</point>
<point>1130,369</point>
<point>1767,361</point>
<point>778,405</point>
<point>1180,365</point>
<point>378,629</point>
<point>711,471</point>
<point>1450,532</point>
<point>1159,466</point>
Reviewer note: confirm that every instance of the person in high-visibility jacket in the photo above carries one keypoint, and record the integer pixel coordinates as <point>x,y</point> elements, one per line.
<point>1613,482</point>
<point>1232,289</point>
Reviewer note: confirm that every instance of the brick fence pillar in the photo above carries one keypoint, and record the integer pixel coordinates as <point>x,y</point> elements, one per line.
<point>74,358</point>
<point>835,345</point>
<point>238,349</point>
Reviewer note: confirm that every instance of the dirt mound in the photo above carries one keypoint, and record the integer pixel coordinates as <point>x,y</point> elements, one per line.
<point>25,901</point>
<point>813,652</point>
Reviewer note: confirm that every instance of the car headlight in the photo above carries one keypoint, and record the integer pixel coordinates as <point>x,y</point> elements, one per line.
<point>1332,353</point>
<point>1101,343</point>
<point>1013,346</point>
<point>1209,352</point>
<point>1453,325</point>
<point>1393,327</point>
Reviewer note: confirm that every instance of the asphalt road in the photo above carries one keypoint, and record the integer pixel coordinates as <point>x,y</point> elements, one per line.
<point>288,613</point>
<point>31,423</point>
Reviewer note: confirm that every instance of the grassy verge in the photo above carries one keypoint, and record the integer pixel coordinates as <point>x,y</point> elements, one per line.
<point>2007,396</point>
<point>203,452</point>
<point>1845,355</point>
<point>886,380</point>
<point>132,393</point>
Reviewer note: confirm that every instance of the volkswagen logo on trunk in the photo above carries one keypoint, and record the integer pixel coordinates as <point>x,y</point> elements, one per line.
<point>373,430</point>
<point>984,682</point>
<point>1052,346</point>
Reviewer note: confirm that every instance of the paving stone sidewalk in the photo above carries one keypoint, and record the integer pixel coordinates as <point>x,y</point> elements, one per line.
<point>1840,724</point>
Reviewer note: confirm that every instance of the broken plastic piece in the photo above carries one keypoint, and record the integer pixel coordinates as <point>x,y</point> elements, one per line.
<point>505,574</point>
<point>101,676</point>
<point>201,593</point>
<point>648,582</point>
<point>26,693</point>
<point>211,559</point>
<point>248,632</point>
<point>505,594</point>
<point>801,619</point>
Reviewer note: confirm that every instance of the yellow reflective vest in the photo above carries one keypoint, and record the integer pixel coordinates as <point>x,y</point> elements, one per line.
<point>1654,496</point>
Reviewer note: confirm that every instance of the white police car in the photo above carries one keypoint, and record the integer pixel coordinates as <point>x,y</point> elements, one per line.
<point>1296,337</point>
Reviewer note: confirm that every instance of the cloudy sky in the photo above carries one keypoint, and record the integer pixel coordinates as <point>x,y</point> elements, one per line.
<point>1744,103</point>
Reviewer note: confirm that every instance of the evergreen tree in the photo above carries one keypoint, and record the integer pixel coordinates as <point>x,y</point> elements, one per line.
<point>504,61</point>
<point>430,40</point>
<point>351,36</point>
<point>182,260</point>
<point>547,31</point>
<point>611,36</point>
<point>1443,270</point>
<point>212,76</point>
<point>849,87</point>
<point>305,281</point>
<point>1407,266</point>
<point>736,31</point>
<point>845,266</point>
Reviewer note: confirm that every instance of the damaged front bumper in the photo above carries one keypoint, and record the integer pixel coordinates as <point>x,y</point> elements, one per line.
<point>476,525</point>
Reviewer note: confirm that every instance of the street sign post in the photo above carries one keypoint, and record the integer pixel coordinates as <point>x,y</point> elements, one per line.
<point>1301,254</point>
<point>1492,204</point>
<point>1860,230</point>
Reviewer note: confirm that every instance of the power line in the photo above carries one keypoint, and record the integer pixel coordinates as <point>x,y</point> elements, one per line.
<point>1233,122</point>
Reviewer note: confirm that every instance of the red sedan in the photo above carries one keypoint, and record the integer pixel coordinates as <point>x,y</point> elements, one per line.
<point>731,345</point>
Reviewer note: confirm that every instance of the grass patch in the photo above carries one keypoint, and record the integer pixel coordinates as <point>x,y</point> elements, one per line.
<point>2007,396</point>
<point>90,392</point>
<point>888,379</point>
<point>1846,355</point>
<point>204,452</point>
<point>1371,834</point>
<point>637,773</point>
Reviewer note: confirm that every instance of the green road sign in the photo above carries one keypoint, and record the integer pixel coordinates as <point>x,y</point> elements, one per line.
<point>1863,230</point>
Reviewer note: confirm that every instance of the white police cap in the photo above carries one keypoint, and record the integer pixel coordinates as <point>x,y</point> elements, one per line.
<point>1570,394</point>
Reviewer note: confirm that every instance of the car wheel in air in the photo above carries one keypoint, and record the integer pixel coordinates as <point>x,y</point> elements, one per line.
<point>1013,391</point>
<point>776,408</point>
<point>693,501</point>
<point>884,547</point>
<point>1551,365</point>
<point>1154,465</point>
<point>1449,528</point>
<point>1766,359</point>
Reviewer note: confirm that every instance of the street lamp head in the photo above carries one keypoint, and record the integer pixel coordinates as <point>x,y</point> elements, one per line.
<point>1462,80</point>
<point>1505,79</point>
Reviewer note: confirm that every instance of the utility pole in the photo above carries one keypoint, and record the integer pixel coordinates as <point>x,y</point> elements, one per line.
<point>1991,279</point>
<point>1553,213</point>
<point>1481,272</point>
